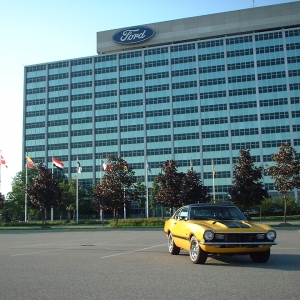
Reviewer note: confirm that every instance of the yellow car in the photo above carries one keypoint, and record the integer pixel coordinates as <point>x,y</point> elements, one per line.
<point>217,229</point>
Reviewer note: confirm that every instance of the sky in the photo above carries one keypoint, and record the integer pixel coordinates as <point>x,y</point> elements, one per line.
<point>40,31</point>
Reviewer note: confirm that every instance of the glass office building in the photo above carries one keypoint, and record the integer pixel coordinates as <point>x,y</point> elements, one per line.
<point>197,91</point>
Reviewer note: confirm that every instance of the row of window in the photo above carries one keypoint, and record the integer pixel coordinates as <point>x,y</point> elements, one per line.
<point>185,123</point>
<point>161,151</point>
<point>155,51</point>
<point>260,63</point>
<point>160,100</point>
<point>151,139</point>
<point>184,72</point>
<point>163,87</point>
<point>214,134</point>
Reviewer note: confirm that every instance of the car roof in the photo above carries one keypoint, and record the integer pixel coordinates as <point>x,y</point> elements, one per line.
<point>210,204</point>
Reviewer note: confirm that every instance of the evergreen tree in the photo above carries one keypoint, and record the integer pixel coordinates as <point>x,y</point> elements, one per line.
<point>247,188</point>
<point>285,172</point>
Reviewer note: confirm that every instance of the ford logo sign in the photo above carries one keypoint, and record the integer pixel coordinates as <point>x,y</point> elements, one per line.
<point>133,35</point>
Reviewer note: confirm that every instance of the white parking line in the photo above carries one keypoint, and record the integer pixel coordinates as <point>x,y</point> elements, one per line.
<point>21,254</point>
<point>112,242</point>
<point>137,250</point>
<point>59,249</point>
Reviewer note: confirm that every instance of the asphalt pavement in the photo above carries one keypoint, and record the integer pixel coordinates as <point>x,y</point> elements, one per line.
<point>135,264</point>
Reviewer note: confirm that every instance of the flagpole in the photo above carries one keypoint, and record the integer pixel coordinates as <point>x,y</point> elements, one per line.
<point>100,180</point>
<point>213,171</point>
<point>77,192</point>
<point>147,192</point>
<point>52,177</point>
<point>26,185</point>
<point>0,169</point>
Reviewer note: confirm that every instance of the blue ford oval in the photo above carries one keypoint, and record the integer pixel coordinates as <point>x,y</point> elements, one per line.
<point>133,35</point>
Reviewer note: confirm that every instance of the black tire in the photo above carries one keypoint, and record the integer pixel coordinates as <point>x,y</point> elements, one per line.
<point>173,249</point>
<point>260,257</point>
<point>197,255</point>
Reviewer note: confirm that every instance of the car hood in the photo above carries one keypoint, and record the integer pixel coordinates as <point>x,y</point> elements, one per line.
<point>232,224</point>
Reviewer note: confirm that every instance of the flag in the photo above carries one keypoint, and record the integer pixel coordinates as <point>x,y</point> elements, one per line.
<point>29,162</point>
<point>58,164</point>
<point>3,162</point>
<point>191,165</point>
<point>79,168</point>
<point>104,166</point>
<point>148,167</point>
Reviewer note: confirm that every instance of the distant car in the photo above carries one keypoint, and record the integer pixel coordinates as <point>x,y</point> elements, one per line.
<point>217,229</point>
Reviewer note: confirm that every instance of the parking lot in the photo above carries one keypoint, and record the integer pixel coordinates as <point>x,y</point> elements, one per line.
<point>135,264</point>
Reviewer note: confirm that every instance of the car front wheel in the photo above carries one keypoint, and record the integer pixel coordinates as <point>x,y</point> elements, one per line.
<point>197,255</point>
<point>173,249</point>
<point>260,257</point>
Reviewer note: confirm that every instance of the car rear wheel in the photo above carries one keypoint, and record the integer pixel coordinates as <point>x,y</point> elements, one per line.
<point>173,249</point>
<point>260,257</point>
<point>197,255</point>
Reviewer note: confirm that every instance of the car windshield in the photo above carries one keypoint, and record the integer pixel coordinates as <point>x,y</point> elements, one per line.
<point>216,213</point>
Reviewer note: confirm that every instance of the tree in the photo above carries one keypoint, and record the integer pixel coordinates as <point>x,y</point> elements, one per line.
<point>2,198</point>
<point>116,182</point>
<point>153,195</point>
<point>44,192</point>
<point>178,189</point>
<point>15,200</point>
<point>247,188</point>
<point>138,194</point>
<point>69,190</point>
<point>285,172</point>
<point>192,190</point>
<point>170,184</point>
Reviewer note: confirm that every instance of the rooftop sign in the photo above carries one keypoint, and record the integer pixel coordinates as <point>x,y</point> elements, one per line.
<point>133,35</point>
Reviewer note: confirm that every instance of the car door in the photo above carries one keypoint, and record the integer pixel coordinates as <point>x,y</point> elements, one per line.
<point>179,230</point>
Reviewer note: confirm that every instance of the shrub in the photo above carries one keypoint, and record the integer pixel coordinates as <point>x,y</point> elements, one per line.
<point>139,222</point>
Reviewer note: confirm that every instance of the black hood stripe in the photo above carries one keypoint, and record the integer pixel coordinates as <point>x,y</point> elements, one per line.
<point>234,224</point>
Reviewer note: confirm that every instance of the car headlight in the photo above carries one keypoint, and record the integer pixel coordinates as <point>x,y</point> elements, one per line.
<point>271,235</point>
<point>208,235</point>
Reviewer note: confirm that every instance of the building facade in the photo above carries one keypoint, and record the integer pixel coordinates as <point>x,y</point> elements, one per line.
<point>198,90</point>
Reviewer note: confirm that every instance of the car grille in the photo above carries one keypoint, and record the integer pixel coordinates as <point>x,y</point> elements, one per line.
<point>240,237</point>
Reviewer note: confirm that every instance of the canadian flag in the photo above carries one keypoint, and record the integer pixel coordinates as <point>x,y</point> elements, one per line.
<point>3,161</point>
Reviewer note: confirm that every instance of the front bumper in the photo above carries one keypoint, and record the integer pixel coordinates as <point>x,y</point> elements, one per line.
<point>253,244</point>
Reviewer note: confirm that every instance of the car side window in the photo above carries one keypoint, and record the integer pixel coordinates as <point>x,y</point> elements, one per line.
<point>176,215</point>
<point>183,214</point>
